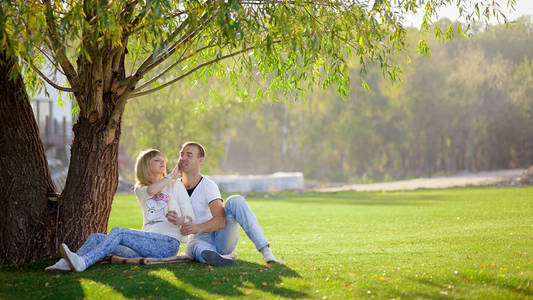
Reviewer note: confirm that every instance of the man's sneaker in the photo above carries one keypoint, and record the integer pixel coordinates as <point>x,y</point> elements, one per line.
<point>231,255</point>
<point>60,265</point>
<point>76,262</point>
<point>268,256</point>
<point>216,260</point>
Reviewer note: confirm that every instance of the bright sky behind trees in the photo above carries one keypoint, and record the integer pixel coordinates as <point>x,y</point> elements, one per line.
<point>523,7</point>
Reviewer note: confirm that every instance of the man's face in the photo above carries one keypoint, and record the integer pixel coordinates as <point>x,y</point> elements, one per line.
<point>190,161</point>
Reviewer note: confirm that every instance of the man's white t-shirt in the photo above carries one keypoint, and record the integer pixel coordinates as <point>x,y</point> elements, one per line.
<point>205,192</point>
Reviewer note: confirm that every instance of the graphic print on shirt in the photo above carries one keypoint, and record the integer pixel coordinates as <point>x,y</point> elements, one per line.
<point>155,207</point>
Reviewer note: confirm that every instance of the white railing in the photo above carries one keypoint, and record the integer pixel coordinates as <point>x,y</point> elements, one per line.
<point>259,183</point>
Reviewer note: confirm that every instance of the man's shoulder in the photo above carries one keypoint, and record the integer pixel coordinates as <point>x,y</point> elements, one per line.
<point>208,181</point>
<point>209,186</point>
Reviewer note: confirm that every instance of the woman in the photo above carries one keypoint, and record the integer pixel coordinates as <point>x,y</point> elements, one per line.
<point>156,193</point>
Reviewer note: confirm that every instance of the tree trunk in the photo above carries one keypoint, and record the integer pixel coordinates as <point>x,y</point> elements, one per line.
<point>27,217</point>
<point>91,183</point>
<point>92,180</point>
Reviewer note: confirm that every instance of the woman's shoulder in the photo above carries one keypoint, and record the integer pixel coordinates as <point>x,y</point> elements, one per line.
<point>139,186</point>
<point>141,192</point>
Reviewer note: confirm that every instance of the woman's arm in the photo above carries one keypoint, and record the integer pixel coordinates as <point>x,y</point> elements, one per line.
<point>158,186</point>
<point>184,201</point>
<point>184,206</point>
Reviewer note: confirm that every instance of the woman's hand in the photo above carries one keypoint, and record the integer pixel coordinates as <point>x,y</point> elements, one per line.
<point>175,172</point>
<point>180,167</point>
<point>173,218</point>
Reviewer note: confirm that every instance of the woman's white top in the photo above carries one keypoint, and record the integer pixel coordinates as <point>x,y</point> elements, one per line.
<point>155,208</point>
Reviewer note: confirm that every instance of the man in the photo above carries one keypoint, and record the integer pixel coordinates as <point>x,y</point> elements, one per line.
<point>216,231</point>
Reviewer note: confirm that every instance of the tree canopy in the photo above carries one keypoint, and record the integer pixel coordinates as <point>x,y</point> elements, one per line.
<point>293,44</point>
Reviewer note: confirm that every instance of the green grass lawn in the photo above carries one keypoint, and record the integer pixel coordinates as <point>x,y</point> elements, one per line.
<point>474,243</point>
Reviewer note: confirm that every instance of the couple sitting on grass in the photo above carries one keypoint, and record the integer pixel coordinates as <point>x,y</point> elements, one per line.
<point>175,210</point>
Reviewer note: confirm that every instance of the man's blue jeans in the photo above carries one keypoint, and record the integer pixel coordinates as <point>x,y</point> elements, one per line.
<point>224,240</point>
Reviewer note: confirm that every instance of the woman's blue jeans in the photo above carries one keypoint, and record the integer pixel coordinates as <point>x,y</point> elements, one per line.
<point>127,243</point>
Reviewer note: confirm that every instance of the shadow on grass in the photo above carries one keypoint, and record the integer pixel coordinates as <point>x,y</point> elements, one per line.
<point>242,279</point>
<point>176,281</point>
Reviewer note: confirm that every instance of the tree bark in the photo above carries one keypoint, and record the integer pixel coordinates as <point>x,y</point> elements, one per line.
<point>92,180</point>
<point>27,217</point>
<point>91,183</point>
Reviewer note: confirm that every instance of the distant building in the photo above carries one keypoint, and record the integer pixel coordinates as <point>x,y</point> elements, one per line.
<point>54,121</point>
<point>55,127</point>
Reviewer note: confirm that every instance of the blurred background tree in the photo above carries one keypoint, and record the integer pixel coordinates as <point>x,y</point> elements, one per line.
<point>469,107</point>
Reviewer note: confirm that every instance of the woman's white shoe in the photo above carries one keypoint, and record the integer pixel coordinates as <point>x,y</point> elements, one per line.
<point>60,265</point>
<point>76,262</point>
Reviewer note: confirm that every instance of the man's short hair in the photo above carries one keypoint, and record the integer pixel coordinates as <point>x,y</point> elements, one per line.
<point>201,150</point>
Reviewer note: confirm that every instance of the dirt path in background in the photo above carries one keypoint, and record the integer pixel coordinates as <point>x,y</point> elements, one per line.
<point>458,180</point>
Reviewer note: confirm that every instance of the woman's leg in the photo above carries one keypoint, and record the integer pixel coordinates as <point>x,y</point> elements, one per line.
<point>146,244</point>
<point>96,238</point>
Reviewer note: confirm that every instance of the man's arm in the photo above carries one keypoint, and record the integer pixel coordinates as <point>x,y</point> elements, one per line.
<point>215,223</point>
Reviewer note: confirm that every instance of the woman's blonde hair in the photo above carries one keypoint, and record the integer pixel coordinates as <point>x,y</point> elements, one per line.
<point>142,166</point>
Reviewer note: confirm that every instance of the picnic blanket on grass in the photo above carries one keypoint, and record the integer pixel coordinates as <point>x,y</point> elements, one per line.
<point>115,259</point>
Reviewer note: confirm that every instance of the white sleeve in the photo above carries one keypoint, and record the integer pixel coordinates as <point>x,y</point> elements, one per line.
<point>212,192</point>
<point>141,192</point>
<point>184,200</point>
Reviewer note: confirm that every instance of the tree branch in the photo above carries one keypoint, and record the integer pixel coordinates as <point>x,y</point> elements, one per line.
<point>168,69</point>
<point>146,66</point>
<point>59,49</point>
<point>207,63</point>
<point>58,68</point>
<point>138,19</point>
<point>49,81</point>
<point>126,14</point>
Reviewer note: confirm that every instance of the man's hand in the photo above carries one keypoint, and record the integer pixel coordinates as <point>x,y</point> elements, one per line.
<point>189,228</point>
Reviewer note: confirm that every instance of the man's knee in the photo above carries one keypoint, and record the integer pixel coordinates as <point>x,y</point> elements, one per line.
<point>235,200</point>
<point>194,249</point>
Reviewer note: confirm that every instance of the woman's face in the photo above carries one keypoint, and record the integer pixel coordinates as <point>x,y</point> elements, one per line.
<point>157,165</point>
